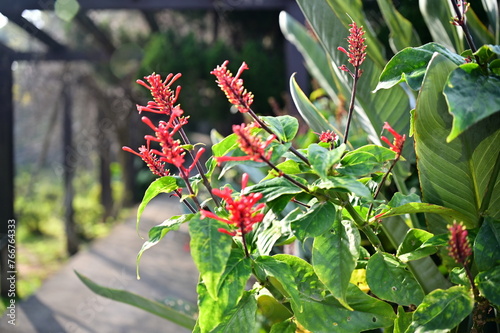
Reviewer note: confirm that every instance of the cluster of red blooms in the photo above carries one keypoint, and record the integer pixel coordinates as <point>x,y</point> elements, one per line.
<point>399,140</point>
<point>172,151</point>
<point>233,86</point>
<point>357,48</point>
<point>251,145</point>
<point>458,246</point>
<point>328,137</point>
<point>242,213</point>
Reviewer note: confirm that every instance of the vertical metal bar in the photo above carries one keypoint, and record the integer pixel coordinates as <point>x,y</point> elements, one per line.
<point>6,163</point>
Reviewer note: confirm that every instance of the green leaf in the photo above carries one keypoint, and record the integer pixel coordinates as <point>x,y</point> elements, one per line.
<point>487,245</point>
<point>399,199</point>
<point>210,250</point>
<point>402,32</point>
<point>233,281</point>
<point>471,96</point>
<point>140,302</point>
<point>308,111</point>
<point>391,280</point>
<point>358,164</point>
<point>458,275</point>
<point>344,184</point>
<point>315,221</point>
<point>274,188</point>
<point>165,184</point>
<point>488,283</point>
<point>240,319</point>
<point>411,247</point>
<point>403,321</point>
<point>491,8</point>
<point>323,159</point>
<point>285,127</point>
<point>455,175</point>
<point>334,257</point>
<point>410,65</point>
<point>381,154</point>
<point>157,233</point>
<point>442,310</point>
<point>286,326</point>
<point>271,308</point>
<point>225,146</point>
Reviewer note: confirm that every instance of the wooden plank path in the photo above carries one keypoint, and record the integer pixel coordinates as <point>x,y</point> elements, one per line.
<point>63,304</point>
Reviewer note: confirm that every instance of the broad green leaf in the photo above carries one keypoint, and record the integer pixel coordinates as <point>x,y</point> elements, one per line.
<point>165,184</point>
<point>442,310</point>
<point>419,207</point>
<point>491,8</point>
<point>390,279</point>
<point>411,247</point>
<point>157,233</point>
<point>315,221</point>
<point>479,31</point>
<point>225,146</point>
<point>285,127</point>
<point>274,188</point>
<point>240,319</point>
<point>487,245</point>
<point>358,164</point>
<point>271,308</point>
<point>210,250</point>
<point>233,282</point>
<point>488,283</point>
<point>381,154</point>
<point>403,321</point>
<point>455,174</point>
<point>437,15</point>
<point>290,167</point>
<point>410,65</point>
<point>323,159</point>
<point>140,302</point>
<point>334,257</point>
<point>459,276</point>
<point>471,96</point>
<point>400,199</point>
<point>315,58</point>
<point>286,326</point>
<point>402,32</point>
<point>344,184</point>
<point>311,115</point>
<point>488,53</point>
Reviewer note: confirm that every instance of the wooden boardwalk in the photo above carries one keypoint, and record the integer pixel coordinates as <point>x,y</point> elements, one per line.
<point>63,304</point>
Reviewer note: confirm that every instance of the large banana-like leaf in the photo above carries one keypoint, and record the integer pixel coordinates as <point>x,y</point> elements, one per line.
<point>491,8</point>
<point>458,174</point>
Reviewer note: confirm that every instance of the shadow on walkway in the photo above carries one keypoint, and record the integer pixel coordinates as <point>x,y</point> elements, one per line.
<point>64,304</point>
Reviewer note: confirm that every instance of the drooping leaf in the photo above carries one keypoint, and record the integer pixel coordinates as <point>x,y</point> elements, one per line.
<point>442,310</point>
<point>157,233</point>
<point>315,221</point>
<point>241,318</point>
<point>210,250</point>
<point>488,283</point>
<point>233,282</point>
<point>455,175</point>
<point>285,127</point>
<point>411,247</point>
<point>343,184</point>
<point>334,257</point>
<point>410,65</point>
<point>274,188</point>
<point>165,184</point>
<point>487,245</point>
<point>471,96</point>
<point>391,280</point>
<point>140,302</point>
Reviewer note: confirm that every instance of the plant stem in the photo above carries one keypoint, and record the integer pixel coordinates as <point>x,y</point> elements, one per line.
<point>185,177</point>
<point>351,104</point>
<point>465,28</point>
<point>270,131</point>
<point>185,202</point>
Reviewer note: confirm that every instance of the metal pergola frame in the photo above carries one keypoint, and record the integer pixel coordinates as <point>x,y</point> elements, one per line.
<point>59,52</point>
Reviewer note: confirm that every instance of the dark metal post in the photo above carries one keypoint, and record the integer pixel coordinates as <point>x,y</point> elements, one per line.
<point>70,160</point>
<point>6,165</point>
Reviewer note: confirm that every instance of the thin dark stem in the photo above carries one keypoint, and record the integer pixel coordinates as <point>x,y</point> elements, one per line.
<point>300,203</point>
<point>351,104</point>
<point>244,241</point>
<point>270,131</point>
<point>185,177</point>
<point>379,187</point>
<point>284,175</point>
<point>185,202</point>
<point>461,22</point>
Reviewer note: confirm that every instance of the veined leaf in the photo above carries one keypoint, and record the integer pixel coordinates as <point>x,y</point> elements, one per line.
<point>402,32</point>
<point>285,127</point>
<point>419,207</point>
<point>322,159</point>
<point>487,245</point>
<point>411,248</point>
<point>315,221</point>
<point>240,319</point>
<point>488,283</point>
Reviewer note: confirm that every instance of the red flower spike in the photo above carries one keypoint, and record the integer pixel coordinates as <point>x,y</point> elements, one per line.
<point>458,246</point>
<point>242,213</point>
<point>399,140</point>
<point>328,136</point>
<point>151,159</point>
<point>233,86</point>
<point>356,50</point>
<point>251,145</point>
<point>164,97</point>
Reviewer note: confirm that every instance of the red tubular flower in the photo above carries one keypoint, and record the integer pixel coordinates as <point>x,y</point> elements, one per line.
<point>328,136</point>
<point>233,86</point>
<point>251,145</point>
<point>164,97</point>
<point>156,166</point>
<point>242,213</point>
<point>357,48</point>
<point>458,246</point>
<point>399,140</point>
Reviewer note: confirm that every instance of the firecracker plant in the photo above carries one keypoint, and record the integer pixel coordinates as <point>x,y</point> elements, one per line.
<point>339,209</point>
